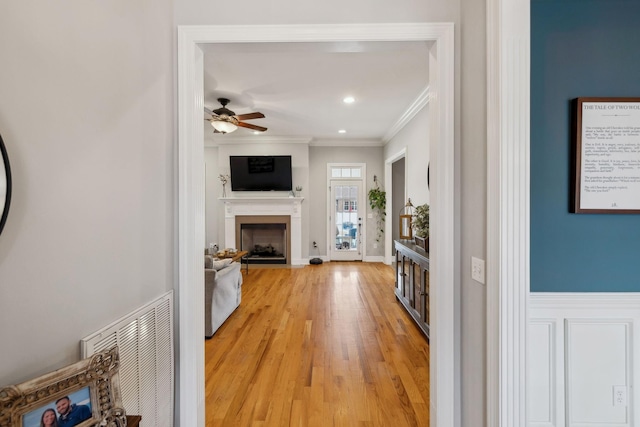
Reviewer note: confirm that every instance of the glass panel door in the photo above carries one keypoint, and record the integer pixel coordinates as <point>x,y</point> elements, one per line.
<point>346,220</point>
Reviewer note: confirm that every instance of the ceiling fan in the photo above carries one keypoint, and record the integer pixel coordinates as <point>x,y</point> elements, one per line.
<point>224,120</point>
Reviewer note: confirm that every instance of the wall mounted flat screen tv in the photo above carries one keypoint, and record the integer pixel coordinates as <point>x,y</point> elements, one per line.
<point>260,173</point>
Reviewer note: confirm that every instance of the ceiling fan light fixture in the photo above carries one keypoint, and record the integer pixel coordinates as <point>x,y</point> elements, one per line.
<point>223,127</point>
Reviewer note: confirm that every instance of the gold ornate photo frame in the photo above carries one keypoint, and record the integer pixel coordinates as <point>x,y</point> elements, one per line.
<point>96,379</point>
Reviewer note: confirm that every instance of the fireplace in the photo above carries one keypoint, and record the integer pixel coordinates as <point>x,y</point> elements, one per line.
<point>266,237</point>
<point>265,210</point>
<point>266,243</point>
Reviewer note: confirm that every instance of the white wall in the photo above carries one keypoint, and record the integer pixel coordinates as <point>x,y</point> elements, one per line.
<point>471,194</point>
<point>87,116</point>
<point>309,165</point>
<point>87,113</point>
<point>213,220</point>
<point>299,153</point>
<point>468,17</point>
<point>205,12</point>
<point>319,157</point>
<point>414,137</point>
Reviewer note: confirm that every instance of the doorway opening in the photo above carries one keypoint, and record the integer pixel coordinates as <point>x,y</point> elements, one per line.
<point>444,376</point>
<point>346,209</point>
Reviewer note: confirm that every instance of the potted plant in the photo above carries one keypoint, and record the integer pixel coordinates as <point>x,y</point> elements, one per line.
<point>420,225</point>
<point>378,203</point>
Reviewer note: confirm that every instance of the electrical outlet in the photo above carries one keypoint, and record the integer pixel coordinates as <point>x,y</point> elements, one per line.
<point>370,216</point>
<point>619,395</point>
<point>477,269</point>
<point>375,246</point>
<point>315,245</point>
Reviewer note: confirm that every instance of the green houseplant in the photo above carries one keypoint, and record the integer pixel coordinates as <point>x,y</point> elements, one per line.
<point>420,225</point>
<point>378,203</point>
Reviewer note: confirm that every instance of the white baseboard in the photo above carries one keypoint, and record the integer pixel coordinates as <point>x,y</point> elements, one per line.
<point>581,346</point>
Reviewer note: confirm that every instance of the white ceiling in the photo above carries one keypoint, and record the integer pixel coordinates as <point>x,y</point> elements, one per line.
<point>299,87</point>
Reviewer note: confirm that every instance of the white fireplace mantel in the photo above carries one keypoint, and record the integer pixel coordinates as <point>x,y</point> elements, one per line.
<point>265,206</point>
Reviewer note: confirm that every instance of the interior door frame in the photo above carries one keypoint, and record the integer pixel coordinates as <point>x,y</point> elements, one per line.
<point>362,233</point>
<point>445,260</point>
<point>388,185</point>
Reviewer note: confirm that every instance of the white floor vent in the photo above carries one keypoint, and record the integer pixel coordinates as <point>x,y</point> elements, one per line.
<point>145,342</point>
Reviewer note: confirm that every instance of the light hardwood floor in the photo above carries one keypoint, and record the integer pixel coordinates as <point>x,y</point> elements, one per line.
<point>324,345</point>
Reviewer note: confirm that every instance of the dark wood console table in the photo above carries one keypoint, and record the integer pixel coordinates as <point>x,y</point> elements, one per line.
<point>412,281</point>
<point>133,420</point>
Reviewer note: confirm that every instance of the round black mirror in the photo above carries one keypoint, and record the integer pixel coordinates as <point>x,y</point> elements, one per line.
<point>5,184</point>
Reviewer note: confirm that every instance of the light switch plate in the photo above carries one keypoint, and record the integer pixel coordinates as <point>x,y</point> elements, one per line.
<point>477,269</point>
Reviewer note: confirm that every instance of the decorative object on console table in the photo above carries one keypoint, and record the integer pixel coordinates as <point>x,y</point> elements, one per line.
<point>421,226</point>
<point>406,217</point>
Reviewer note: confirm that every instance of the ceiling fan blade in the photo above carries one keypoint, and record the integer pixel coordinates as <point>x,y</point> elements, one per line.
<point>209,112</point>
<point>250,126</point>
<point>250,116</point>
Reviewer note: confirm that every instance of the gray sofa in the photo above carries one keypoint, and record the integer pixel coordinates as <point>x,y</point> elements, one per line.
<point>222,292</point>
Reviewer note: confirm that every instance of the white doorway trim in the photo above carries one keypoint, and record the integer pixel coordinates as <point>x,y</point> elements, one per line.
<point>508,83</point>
<point>362,210</point>
<point>388,186</point>
<point>445,372</point>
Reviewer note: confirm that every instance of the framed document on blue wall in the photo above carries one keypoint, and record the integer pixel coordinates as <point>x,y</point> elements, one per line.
<point>606,158</point>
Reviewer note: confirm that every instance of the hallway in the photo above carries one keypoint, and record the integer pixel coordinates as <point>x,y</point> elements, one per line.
<point>324,345</point>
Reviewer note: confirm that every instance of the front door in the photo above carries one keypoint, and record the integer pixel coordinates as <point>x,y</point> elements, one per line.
<point>346,220</point>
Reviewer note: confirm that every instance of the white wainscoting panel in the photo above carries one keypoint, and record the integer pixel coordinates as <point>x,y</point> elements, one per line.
<point>583,348</point>
<point>542,391</point>
<point>596,361</point>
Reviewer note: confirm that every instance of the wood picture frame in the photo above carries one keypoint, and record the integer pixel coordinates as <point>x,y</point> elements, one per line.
<point>95,379</point>
<point>605,155</point>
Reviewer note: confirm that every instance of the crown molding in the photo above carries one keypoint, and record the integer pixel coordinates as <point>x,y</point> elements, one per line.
<point>420,102</point>
<point>346,143</point>
<point>221,140</point>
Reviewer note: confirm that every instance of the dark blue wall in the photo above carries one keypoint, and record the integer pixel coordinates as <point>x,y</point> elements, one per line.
<point>579,48</point>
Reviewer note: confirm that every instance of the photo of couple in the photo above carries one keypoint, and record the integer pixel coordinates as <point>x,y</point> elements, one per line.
<point>67,411</point>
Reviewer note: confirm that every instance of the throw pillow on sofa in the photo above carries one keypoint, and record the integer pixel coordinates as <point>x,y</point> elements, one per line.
<point>215,263</point>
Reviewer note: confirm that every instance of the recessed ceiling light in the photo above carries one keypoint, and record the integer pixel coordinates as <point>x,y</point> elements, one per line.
<point>255,132</point>
<point>348,100</point>
<point>342,131</point>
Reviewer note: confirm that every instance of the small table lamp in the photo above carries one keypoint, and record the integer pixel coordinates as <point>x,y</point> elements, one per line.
<point>406,213</point>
